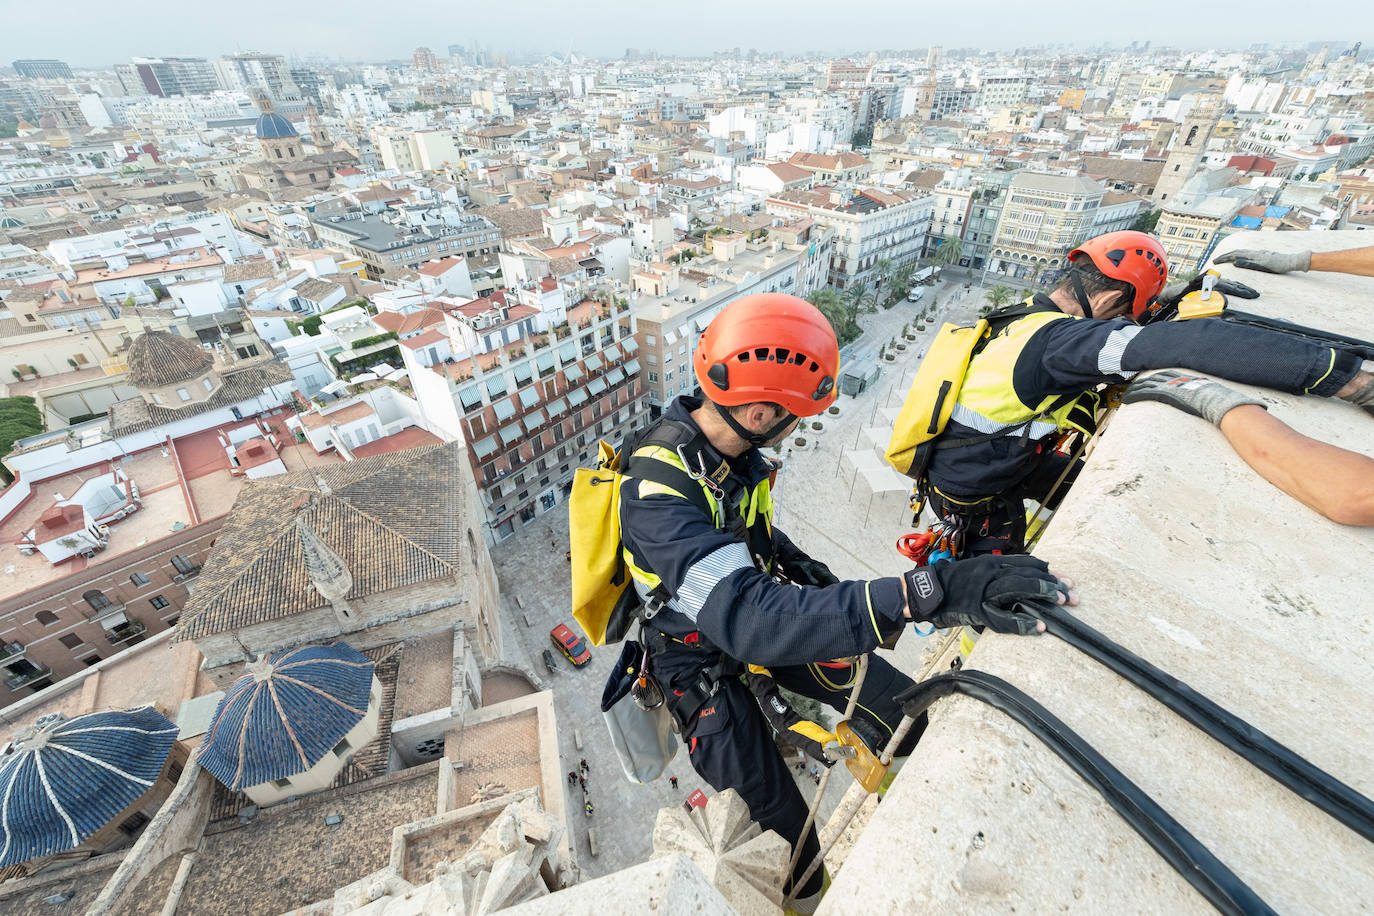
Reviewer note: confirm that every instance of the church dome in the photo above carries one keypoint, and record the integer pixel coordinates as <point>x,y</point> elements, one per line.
<point>272,126</point>
<point>284,715</point>
<point>158,358</point>
<point>65,779</point>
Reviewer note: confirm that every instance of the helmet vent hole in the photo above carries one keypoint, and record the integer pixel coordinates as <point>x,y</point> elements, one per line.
<point>799,359</point>
<point>744,357</point>
<point>782,354</point>
<point>761,353</point>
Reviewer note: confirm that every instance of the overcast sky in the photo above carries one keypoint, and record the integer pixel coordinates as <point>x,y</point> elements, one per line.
<point>99,32</point>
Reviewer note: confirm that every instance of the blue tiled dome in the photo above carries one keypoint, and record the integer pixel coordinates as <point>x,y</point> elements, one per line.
<point>65,780</point>
<point>286,713</point>
<point>272,126</point>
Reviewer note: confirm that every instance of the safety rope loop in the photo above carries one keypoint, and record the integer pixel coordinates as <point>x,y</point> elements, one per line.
<point>1277,761</point>
<point>1184,852</point>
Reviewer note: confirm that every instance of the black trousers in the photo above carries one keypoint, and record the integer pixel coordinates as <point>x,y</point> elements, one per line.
<point>998,524</point>
<point>730,744</point>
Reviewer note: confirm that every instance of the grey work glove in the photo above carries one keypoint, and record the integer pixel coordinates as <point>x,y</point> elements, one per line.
<point>1001,593</point>
<point>1270,262</point>
<point>1192,394</point>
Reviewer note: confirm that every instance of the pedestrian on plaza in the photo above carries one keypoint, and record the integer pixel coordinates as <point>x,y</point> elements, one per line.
<point>584,768</point>
<point>583,781</point>
<point>708,558</point>
<point>572,778</point>
<point>589,809</point>
<point>815,770</point>
<point>816,779</point>
<point>672,781</point>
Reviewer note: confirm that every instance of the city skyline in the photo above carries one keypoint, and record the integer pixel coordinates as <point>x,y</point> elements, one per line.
<point>100,36</point>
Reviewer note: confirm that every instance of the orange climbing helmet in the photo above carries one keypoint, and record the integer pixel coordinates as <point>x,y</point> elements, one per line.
<point>1135,257</point>
<point>769,347</point>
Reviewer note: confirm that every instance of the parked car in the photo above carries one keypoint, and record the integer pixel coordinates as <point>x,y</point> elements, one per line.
<point>916,295</point>
<point>548,660</point>
<point>571,645</point>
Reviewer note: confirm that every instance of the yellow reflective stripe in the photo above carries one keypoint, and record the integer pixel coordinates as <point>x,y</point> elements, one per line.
<point>877,718</point>
<point>650,580</point>
<point>988,389</point>
<point>1331,365</point>
<point>759,669</point>
<point>808,729</point>
<point>868,597</point>
<point>826,682</point>
<point>668,456</point>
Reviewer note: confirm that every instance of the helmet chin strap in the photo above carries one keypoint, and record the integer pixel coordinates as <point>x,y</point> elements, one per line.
<point>754,439</point>
<point>1081,293</point>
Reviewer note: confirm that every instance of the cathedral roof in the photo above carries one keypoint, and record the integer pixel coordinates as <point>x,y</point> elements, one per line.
<point>68,778</point>
<point>158,358</point>
<point>272,126</point>
<point>286,713</point>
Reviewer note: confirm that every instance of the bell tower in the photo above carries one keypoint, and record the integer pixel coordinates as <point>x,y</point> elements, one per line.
<point>1190,143</point>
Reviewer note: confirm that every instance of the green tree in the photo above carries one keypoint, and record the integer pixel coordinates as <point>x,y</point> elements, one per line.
<point>861,138</point>
<point>836,311</point>
<point>901,280</point>
<point>1146,221</point>
<point>1000,295</point>
<point>19,419</point>
<point>859,299</point>
<point>949,252</point>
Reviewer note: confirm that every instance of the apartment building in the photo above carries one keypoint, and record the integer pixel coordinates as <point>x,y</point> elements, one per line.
<point>1047,215</point>
<point>870,225</point>
<point>400,239</point>
<point>531,386</point>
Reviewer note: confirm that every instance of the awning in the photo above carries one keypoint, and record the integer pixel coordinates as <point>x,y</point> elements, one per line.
<point>505,409</point>
<point>535,418</point>
<point>496,385</point>
<point>577,397</point>
<point>596,385</point>
<point>700,324</point>
<point>632,367</point>
<point>523,373</point>
<point>568,352</point>
<point>469,397</point>
<point>485,447</point>
<point>593,363</point>
<point>529,397</point>
<point>557,406</point>
<point>670,337</point>
<point>615,376</point>
<point>511,433</point>
<point>544,361</point>
<point>630,344</point>
<point>611,352</point>
<point>113,619</point>
<point>572,373</point>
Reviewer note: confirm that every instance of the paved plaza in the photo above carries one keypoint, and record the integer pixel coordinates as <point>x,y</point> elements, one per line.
<point>827,504</point>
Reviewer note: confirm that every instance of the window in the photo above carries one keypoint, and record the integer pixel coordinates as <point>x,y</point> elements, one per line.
<point>71,640</point>
<point>183,394</point>
<point>47,618</point>
<point>184,564</point>
<point>650,340</point>
<point>158,602</point>
<point>342,748</point>
<point>244,352</point>
<point>282,783</point>
<point>209,385</point>
<point>96,599</point>
<point>653,376</point>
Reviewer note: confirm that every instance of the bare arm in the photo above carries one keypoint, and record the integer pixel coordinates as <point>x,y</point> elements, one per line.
<point>1350,261</point>
<point>1331,480</point>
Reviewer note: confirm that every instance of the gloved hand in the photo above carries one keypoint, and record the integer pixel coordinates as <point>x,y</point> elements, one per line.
<point>1364,396</point>
<point>1270,262</point>
<point>803,734</point>
<point>1175,290</point>
<point>997,592</point>
<point>805,571</point>
<point>1192,394</point>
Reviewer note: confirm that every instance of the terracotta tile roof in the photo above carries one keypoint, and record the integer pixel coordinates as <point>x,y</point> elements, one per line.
<point>405,324</point>
<point>786,171</point>
<point>316,290</point>
<point>431,336</point>
<point>135,414</point>
<point>248,270</point>
<point>440,267</point>
<point>158,358</point>
<point>395,520</point>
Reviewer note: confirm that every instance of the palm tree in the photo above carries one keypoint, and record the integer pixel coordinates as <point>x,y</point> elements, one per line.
<point>860,299</point>
<point>901,280</point>
<point>882,268</point>
<point>1000,295</point>
<point>836,311</point>
<point>949,252</point>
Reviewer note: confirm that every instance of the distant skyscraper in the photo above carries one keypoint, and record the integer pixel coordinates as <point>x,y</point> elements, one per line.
<point>43,69</point>
<point>167,76</point>
<point>251,69</point>
<point>424,59</point>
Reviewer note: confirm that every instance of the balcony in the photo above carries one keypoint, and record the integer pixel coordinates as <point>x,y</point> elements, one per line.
<point>11,650</point>
<point>187,574</point>
<point>28,677</point>
<point>132,629</point>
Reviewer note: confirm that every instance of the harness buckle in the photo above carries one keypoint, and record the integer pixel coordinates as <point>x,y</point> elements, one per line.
<point>700,475</point>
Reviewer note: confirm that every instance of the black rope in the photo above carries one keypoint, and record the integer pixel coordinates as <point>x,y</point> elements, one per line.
<point>1188,856</point>
<point>1291,770</point>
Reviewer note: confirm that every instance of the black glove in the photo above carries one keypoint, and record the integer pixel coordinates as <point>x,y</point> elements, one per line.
<point>805,571</point>
<point>998,592</point>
